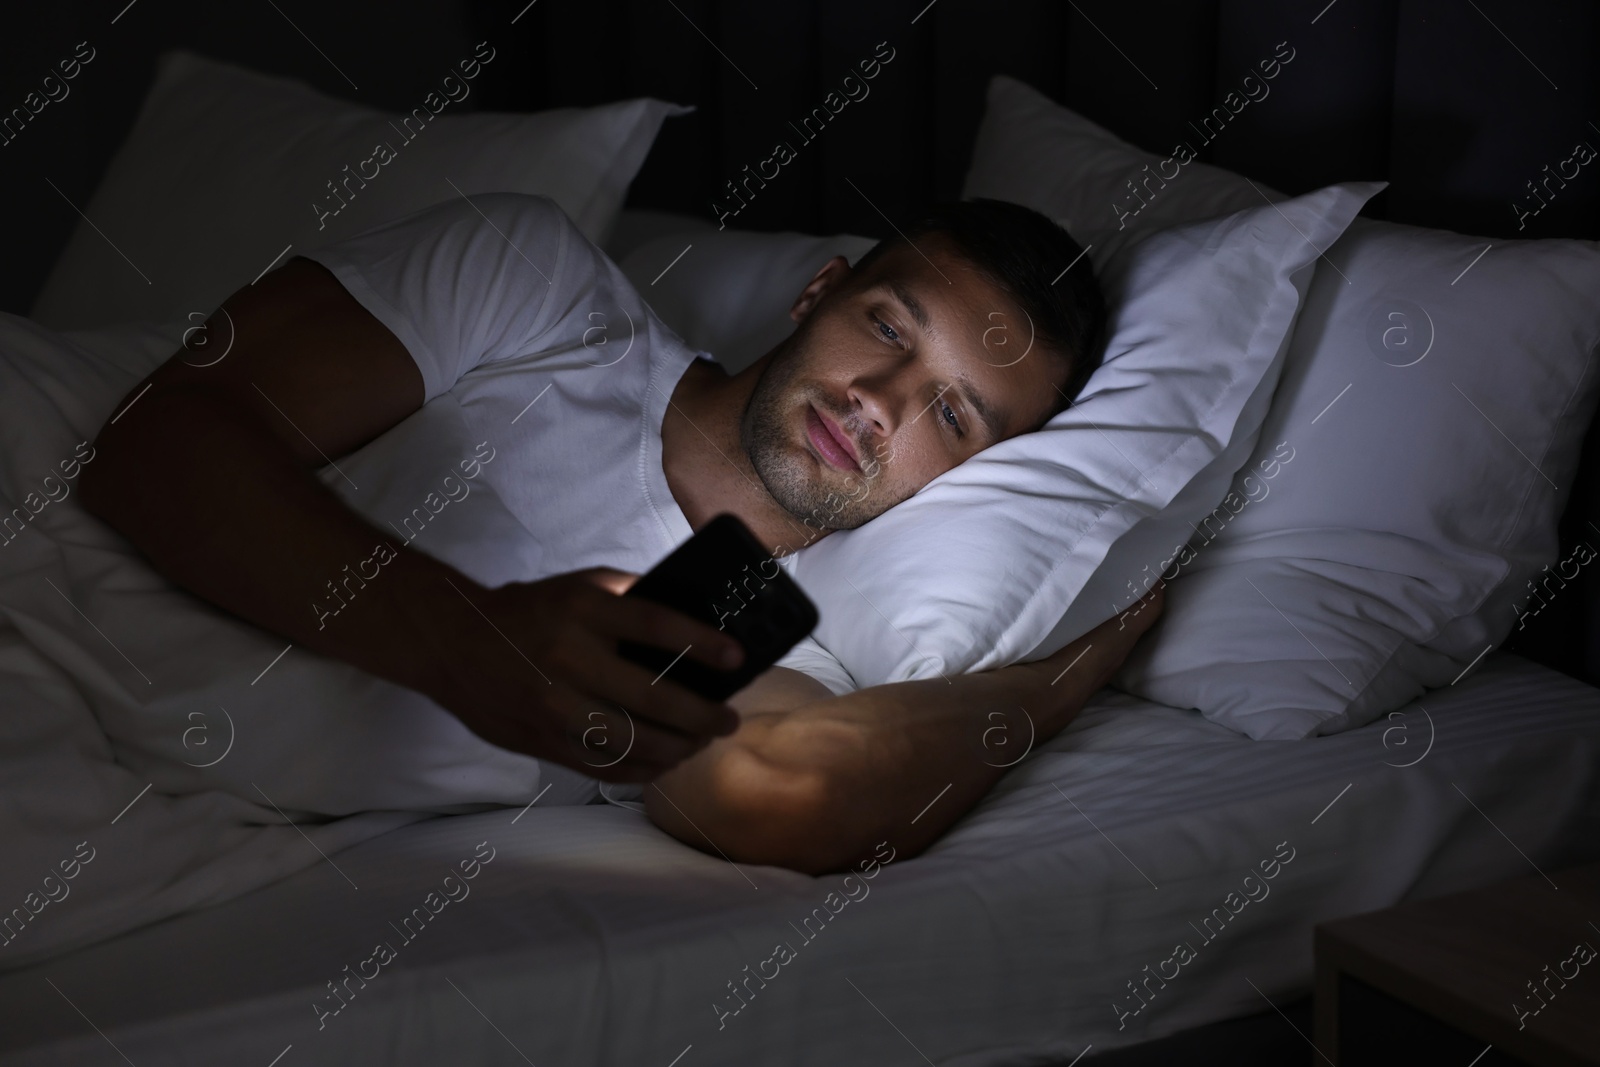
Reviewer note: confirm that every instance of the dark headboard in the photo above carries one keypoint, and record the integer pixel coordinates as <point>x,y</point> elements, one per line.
<point>1459,104</point>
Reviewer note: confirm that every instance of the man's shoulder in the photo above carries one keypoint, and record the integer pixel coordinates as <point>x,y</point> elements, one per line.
<point>511,213</point>
<point>520,240</point>
<point>495,230</point>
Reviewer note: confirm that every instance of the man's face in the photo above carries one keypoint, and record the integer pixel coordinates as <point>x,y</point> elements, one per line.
<point>916,364</point>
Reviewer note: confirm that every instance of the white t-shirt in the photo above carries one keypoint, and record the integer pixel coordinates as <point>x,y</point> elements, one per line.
<point>546,378</point>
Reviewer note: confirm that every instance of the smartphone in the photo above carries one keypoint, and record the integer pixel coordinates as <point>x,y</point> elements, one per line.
<point>724,577</point>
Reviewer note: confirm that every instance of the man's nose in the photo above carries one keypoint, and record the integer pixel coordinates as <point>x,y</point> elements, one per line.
<point>885,400</point>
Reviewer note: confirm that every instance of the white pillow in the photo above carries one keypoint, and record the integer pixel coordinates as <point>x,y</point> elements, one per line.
<point>730,293</point>
<point>1435,409</point>
<point>636,227</point>
<point>226,166</point>
<point>1378,546</point>
<point>984,566</point>
<point>1105,192</point>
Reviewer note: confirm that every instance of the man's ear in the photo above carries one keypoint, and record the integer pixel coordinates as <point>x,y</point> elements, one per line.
<point>830,275</point>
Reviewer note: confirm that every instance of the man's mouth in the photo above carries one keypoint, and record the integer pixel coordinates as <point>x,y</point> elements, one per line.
<point>831,443</point>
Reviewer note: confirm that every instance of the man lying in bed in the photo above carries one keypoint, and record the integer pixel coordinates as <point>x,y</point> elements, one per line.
<point>893,375</point>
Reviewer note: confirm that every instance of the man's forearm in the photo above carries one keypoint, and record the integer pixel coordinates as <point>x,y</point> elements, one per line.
<point>239,522</point>
<point>897,762</point>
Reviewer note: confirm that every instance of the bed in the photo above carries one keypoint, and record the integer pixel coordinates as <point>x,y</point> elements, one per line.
<point>590,937</point>
<point>1028,934</point>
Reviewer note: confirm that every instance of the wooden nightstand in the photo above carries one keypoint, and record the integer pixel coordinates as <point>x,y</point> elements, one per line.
<point>1460,970</point>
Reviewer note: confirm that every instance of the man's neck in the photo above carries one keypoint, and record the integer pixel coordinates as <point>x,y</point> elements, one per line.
<point>705,462</point>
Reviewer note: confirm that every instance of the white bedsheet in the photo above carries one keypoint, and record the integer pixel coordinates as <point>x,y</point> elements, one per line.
<point>98,651</point>
<point>592,938</point>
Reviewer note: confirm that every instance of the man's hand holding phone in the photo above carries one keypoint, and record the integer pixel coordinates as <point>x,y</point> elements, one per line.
<point>548,679</point>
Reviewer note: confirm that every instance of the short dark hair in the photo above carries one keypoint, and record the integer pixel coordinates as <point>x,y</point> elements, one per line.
<point>1025,254</point>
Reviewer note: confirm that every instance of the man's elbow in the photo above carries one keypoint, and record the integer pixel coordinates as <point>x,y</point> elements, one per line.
<point>110,484</point>
<point>748,810</point>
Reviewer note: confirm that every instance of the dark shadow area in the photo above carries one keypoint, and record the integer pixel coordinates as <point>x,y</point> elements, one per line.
<point>1266,1039</point>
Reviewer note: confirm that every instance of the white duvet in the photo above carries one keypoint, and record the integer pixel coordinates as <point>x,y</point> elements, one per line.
<point>152,747</point>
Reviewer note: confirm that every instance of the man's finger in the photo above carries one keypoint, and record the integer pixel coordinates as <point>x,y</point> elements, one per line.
<point>597,733</point>
<point>608,578</point>
<point>648,623</point>
<point>654,700</point>
<point>608,738</point>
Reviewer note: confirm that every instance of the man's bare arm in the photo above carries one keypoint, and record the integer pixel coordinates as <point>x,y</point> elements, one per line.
<point>209,470</point>
<point>813,782</point>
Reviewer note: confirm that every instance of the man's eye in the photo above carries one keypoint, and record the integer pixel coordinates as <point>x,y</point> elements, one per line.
<point>887,331</point>
<point>950,416</point>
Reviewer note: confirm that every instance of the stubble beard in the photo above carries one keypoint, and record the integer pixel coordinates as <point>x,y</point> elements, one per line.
<point>764,433</point>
